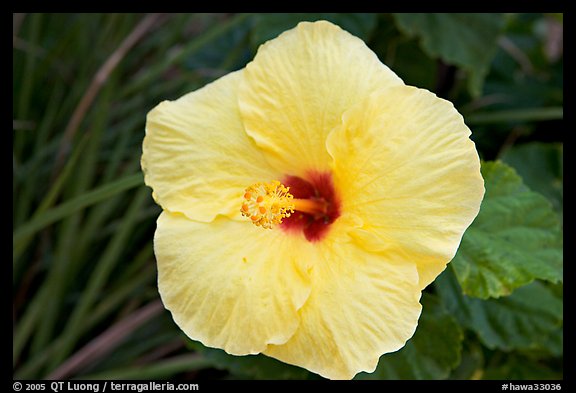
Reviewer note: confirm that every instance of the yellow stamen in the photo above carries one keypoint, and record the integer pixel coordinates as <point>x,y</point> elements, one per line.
<point>266,204</point>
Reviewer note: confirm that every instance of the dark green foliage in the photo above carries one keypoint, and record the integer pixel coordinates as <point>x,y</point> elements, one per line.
<point>85,300</point>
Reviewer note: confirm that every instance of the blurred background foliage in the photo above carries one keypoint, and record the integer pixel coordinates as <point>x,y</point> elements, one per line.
<point>85,301</point>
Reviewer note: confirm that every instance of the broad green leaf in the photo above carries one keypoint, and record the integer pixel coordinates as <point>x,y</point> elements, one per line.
<point>466,40</point>
<point>431,353</point>
<point>541,167</point>
<point>413,65</point>
<point>524,115</point>
<point>402,54</point>
<point>515,367</point>
<point>268,26</point>
<point>529,319</point>
<point>250,366</point>
<point>515,239</point>
<point>472,362</point>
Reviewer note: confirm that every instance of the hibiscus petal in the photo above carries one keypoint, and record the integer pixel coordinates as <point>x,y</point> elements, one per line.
<point>362,305</point>
<point>298,86</point>
<point>196,155</point>
<point>405,164</point>
<point>230,284</point>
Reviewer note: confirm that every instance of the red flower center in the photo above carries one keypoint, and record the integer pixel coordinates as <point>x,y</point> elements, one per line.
<point>318,187</point>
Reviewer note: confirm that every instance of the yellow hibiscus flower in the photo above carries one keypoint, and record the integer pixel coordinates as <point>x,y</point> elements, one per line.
<point>360,188</point>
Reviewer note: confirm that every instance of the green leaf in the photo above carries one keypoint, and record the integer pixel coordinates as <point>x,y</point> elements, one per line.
<point>470,366</point>
<point>431,353</point>
<point>466,40</point>
<point>529,319</point>
<point>268,26</point>
<point>250,366</point>
<point>515,239</point>
<point>516,115</point>
<point>411,64</point>
<point>541,167</point>
<point>515,367</point>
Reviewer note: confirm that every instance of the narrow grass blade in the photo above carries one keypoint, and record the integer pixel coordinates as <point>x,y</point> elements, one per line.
<point>110,256</point>
<point>159,370</point>
<point>107,341</point>
<point>191,48</point>
<point>59,212</point>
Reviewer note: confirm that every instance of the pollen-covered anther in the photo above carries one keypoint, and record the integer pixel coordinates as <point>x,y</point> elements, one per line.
<point>266,204</point>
